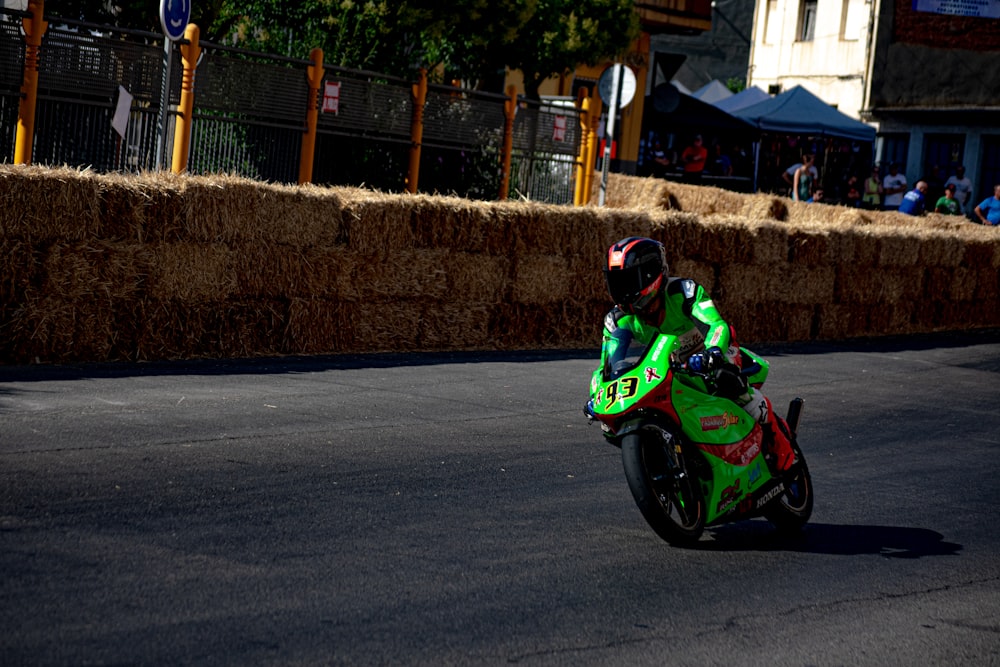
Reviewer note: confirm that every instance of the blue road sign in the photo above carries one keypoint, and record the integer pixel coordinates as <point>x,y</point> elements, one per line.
<point>174,17</point>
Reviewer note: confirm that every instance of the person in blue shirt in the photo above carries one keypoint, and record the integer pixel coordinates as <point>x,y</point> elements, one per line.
<point>988,211</point>
<point>913,201</point>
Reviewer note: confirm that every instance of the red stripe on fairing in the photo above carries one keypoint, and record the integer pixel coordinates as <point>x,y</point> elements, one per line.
<point>738,453</point>
<point>620,253</point>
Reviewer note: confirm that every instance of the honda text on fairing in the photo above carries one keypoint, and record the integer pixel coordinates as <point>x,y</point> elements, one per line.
<point>694,458</point>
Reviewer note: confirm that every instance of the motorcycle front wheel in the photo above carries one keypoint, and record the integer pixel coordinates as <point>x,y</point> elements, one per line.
<point>792,509</point>
<point>669,499</point>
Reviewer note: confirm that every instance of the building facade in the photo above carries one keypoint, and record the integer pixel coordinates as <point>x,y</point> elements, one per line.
<point>924,76</point>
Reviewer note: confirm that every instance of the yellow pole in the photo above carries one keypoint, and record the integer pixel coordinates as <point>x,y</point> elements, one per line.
<point>596,105</point>
<point>34,27</point>
<point>583,106</point>
<point>182,130</point>
<point>416,131</point>
<point>315,74</point>
<point>510,111</point>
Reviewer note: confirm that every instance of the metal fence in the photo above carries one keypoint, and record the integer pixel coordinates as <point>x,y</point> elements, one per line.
<point>249,118</point>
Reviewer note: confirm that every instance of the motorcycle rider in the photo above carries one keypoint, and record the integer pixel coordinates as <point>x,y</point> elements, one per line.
<point>648,301</point>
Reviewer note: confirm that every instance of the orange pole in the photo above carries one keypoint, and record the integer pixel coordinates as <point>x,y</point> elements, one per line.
<point>588,164</point>
<point>34,27</point>
<point>510,111</point>
<point>583,105</point>
<point>417,131</point>
<point>182,130</point>
<point>315,74</point>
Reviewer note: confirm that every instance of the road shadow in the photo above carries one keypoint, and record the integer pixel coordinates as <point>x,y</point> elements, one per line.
<point>824,538</point>
<point>280,365</point>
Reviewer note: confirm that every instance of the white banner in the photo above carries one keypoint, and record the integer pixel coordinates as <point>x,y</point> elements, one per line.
<point>983,9</point>
<point>122,109</point>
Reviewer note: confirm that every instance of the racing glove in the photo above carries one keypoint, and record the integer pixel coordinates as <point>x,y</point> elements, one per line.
<point>708,361</point>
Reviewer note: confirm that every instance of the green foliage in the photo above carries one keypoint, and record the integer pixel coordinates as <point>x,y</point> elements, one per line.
<point>474,40</point>
<point>735,84</point>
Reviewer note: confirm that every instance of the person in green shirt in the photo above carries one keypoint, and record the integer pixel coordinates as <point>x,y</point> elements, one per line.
<point>649,301</point>
<point>948,204</point>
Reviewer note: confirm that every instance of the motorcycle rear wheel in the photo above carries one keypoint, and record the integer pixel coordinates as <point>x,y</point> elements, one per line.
<point>792,509</point>
<point>668,497</point>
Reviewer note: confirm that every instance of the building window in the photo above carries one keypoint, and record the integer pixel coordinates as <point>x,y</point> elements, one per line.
<point>772,23</point>
<point>989,169</point>
<point>853,20</point>
<point>894,149</point>
<point>807,20</point>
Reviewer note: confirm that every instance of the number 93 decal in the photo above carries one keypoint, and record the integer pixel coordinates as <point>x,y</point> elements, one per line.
<point>623,389</point>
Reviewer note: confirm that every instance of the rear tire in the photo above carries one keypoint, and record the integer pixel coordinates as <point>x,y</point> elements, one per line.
<point>792,509</point>
<point>668,497</point>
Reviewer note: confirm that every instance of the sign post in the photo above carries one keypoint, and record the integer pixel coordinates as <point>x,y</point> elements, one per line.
<point>616,87</point>
<point>174,17</point>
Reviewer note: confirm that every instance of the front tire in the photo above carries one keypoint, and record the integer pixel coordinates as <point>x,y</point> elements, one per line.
<point>668,497</point>
<point>792,509</point>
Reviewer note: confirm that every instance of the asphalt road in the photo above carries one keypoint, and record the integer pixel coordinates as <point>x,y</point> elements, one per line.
<point>459,510</point>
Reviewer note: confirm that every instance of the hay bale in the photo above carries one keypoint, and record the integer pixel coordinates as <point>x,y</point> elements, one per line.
<point>72,272</point>
<point>852,217</point>
<point>631,192</point>
<point>229,209</point>
<point>19,268</point>
<point>459,224</point>
<point>319,326</point>
<point>941,249</point>
<point>145,208</point>
<point>768,243</point>
<point>797,284</point>
<point>478,278</point>
<point>194,272</point>
<point>808,246</point>
<point>456,326</point>
<point>378,223</point>
<point>899,249</point>
<point>701,199</point>
<point>763,206</point>
<point>540,280</point>
<point>47,204</point>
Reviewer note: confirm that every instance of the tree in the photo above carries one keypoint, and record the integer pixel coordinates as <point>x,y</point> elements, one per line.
<point>562,34</point>
<point>474,40</point>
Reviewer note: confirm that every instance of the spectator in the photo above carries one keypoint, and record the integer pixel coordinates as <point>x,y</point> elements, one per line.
<point>852,195</point>
<point>893,187</point>
<point>947,204</point>
<point>802,182</point>
<point>721,164</point>
<point>742,163</point>
<point>872,197</point>
<point>914,200</point>
<point>963,188</point>
<point>693,158</point>
<point>988,210</point>
<point>789,175</point>
<point>817,196</point>
<point>661,163</point>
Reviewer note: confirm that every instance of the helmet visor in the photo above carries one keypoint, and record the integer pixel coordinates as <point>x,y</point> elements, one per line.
<point>632,289</point>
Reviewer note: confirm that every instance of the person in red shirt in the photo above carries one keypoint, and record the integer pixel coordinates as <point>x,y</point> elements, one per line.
<point>693,158</point>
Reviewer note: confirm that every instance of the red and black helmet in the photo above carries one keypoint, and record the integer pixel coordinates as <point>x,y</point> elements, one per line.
<point>636,272</point>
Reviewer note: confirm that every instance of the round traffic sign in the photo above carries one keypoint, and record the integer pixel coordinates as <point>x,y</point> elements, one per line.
<point>174,17</point>
<point>627,79</point>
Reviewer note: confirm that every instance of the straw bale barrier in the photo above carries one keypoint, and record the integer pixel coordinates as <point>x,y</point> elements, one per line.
<point>159,266</point>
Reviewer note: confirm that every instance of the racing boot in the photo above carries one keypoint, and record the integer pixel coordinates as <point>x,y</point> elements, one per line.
<point>777,438</point>
<point>781,448</point>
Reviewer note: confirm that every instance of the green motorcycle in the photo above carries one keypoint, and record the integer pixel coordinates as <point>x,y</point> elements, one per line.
<point>694,458</point>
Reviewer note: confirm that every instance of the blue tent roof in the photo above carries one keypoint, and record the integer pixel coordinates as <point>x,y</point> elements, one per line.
<point>742,99</point>
<point>798,111</point>
<point>712,92</point>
